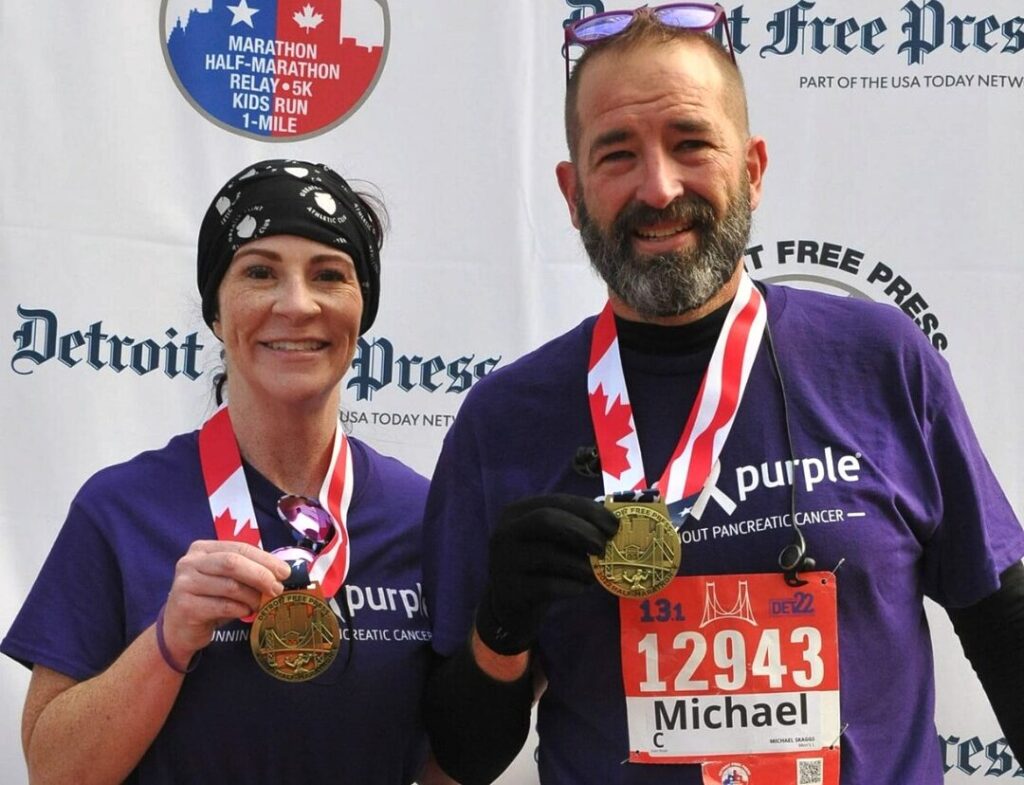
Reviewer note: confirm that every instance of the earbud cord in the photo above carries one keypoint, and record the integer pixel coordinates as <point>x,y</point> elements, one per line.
<point>790,567</point>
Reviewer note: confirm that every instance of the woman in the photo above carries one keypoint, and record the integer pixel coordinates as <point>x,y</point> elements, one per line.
<point>138,625</point>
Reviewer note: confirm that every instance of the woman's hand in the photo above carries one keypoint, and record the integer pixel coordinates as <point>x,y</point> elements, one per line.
<point>215,582</point>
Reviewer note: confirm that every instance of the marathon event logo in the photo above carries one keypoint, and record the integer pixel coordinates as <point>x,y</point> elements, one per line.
<point>734,774</point>
<point>275,70</point>
<point>840,269</point>
<point>911,31</point>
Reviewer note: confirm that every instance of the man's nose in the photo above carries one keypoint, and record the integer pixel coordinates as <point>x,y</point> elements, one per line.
<point>661,183</point>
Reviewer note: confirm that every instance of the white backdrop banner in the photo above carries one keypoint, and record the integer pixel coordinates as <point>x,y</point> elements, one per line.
<point>893,132</point>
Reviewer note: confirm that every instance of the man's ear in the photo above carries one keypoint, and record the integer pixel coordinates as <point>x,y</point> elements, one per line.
<point>568,184</point>
<point>757,163</point>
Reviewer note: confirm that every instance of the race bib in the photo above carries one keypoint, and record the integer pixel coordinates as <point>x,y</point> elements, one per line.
<point>736,671</point>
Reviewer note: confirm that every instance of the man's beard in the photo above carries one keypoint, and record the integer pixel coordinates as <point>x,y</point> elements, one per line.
<point>673,283</point>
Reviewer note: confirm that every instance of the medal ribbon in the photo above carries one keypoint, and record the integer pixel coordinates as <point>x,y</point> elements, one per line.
<point>711,417</point>
<point>231,504</point>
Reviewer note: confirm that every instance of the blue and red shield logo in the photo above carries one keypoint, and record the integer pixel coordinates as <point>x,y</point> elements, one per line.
<point>275,69</point>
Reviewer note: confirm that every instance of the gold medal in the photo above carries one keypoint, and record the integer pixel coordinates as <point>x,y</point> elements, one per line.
<point>295,635</point>
<point>644,555</point>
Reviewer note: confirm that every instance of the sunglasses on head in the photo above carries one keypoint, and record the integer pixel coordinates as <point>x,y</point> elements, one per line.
<point>685,16</point>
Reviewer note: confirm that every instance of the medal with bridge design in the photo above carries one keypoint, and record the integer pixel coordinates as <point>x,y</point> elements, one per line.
<point>295,636</point>
<point>644,555</point>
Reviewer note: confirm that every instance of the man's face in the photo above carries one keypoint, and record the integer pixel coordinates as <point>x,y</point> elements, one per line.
<point>665,177</point>
<point>675,281</point>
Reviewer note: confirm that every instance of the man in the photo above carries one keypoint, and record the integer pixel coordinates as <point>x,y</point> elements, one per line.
<point>753,408</point>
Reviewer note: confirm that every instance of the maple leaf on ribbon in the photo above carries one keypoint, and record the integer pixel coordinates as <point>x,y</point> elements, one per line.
<point>615,422</point>
<point>224,523</point>
<point>308,19</point>
<point>227,527</point>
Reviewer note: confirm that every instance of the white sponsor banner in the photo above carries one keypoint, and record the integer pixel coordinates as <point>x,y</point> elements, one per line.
<point>894,174</point>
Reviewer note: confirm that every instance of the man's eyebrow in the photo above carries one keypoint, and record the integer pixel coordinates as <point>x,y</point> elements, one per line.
<point>607,139</point>
<point>619,135</point>
<point>614,136</point>
<point>691,126</point>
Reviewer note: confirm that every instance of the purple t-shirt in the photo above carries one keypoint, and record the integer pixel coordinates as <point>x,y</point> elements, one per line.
<point>863,386</point>
<point>111,568</point>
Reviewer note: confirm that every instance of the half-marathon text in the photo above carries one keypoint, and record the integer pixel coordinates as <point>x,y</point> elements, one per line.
<point>271,81</point>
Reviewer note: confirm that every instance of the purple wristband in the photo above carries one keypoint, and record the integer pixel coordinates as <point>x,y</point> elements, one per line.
<point>162,645</point>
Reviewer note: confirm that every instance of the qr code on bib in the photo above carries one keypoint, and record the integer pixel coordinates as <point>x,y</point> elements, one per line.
<point>809,772</point>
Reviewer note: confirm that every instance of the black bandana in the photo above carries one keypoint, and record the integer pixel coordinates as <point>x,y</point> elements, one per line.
<point>288,197</point>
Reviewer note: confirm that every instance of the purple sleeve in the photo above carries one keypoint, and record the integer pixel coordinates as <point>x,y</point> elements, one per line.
<point>456,535</point>
<point>977,536</point>
<point>73,618</point>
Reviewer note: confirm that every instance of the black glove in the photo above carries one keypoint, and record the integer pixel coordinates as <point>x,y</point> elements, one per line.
<point>539,553</point>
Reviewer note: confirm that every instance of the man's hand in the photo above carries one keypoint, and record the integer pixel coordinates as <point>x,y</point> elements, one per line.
<point>539,554</point>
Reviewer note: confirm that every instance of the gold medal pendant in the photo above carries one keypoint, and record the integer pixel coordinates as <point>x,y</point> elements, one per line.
<point>295,636</point>
<point>644,555</point>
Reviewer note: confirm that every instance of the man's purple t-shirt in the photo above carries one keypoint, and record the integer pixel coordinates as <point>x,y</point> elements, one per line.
<point>862,386</point>
<point>111,568</point>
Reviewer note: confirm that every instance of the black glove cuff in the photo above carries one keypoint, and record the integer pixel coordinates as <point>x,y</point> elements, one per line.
<point>477,724</point>
<point>495,635</point>
<point>992,635</point>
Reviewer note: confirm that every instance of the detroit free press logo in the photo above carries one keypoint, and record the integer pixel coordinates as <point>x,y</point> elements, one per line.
<point>835,268</point>
<point>275,70</point>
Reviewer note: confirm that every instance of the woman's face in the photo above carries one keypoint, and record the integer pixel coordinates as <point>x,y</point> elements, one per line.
<point>288,314</point>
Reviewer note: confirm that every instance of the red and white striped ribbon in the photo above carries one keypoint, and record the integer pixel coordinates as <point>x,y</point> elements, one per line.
<point>711,417</point>
<point>231,504</point>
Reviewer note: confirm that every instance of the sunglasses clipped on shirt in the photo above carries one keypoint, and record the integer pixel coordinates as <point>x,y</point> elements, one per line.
<point>685,16</point>
<point>311,527</point>
<point>309,522</point>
